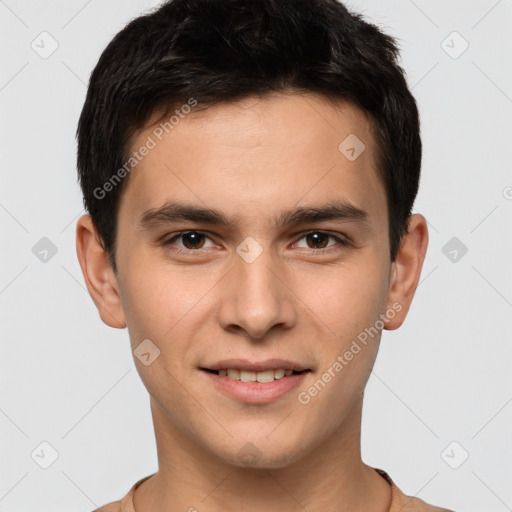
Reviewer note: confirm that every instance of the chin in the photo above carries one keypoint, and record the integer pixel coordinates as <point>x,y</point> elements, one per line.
<point>261,454</point>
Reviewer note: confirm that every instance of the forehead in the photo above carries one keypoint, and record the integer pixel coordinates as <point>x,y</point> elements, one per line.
<point>258,154</point>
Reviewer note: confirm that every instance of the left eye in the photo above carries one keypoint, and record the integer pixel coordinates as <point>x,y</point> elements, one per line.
<point>320,240</point>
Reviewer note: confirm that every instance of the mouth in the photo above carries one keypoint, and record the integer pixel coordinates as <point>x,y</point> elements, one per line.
<point>256,381</point>
<point>262,377</point>
<point>260,387</point>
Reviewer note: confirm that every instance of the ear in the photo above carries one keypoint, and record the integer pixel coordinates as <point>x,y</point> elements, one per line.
<point>99,276</point>
<point>406,271</point>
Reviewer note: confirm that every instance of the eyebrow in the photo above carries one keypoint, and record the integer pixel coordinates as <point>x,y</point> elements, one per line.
<point>172,212</point>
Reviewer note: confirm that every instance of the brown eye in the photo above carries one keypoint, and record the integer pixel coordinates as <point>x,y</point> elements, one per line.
<point>317,240</point>
<point>192,240</point>
<point>188,240</point>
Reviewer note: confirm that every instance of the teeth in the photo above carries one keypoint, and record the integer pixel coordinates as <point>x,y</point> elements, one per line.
<point>267,376</point>
<point>248,376</point>
<point>233,374</point>
<point>279,374</point>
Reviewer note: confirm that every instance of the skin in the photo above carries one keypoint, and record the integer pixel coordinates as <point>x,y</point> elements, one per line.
<point>299,300</point>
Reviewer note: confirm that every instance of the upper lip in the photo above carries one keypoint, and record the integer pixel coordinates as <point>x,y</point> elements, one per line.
<point>260,366</point>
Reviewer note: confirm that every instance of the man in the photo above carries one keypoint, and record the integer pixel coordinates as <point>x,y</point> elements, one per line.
<point>250,170</point>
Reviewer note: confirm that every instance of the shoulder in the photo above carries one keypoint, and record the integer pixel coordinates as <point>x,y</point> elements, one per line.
<point>115,506</point>
<point>400,502</point>
<point>411,504</point>
<point>126,503</point>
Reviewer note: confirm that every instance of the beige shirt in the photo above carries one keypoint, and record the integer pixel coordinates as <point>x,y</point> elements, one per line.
<point>399,501</point>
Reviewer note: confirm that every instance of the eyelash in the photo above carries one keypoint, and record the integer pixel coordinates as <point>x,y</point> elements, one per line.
<point>341,241</point>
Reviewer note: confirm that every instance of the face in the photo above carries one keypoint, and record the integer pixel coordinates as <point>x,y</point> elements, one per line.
<point>246,234</point>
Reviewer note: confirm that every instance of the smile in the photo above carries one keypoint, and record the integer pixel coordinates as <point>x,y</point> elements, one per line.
<point>255,387</point>
<point>250,376</point>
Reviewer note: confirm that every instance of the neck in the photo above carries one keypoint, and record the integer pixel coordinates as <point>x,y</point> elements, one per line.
<point>330,476</point>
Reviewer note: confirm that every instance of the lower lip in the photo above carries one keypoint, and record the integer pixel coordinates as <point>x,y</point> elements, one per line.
<point>256,392</point>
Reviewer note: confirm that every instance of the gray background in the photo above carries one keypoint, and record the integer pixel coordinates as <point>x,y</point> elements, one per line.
<point>442,386</point>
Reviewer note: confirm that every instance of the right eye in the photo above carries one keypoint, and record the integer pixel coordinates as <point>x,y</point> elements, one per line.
<point>190,240</point>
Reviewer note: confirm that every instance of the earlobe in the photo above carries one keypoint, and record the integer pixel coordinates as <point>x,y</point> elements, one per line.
<point>98,273</point>
<point>406,271</point>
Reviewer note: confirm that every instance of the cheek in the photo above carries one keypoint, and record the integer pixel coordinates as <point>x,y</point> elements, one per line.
<point>154,296</point>
<point>167,306</point>
<point>155,308</point>
<point>337,389</point>
<point>350,304</point>
<point>347,298</point>
<point>147,306</point>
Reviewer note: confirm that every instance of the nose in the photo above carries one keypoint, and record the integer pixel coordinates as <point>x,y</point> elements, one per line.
<point>257,297</point>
